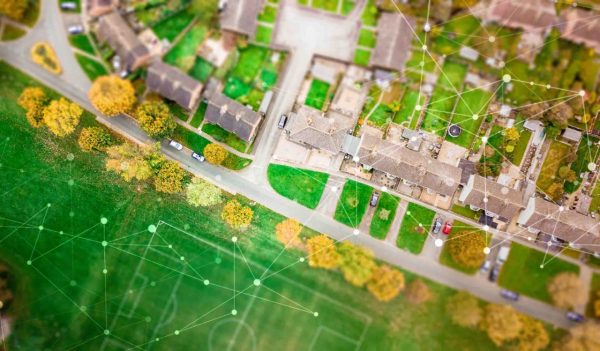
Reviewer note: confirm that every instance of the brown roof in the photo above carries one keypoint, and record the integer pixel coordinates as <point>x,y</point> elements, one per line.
<point>240,16</point>
<point>232,116</point>
<point>567,225</point>
<point>529,15</point>
<point>173,84</point>
<point>409,165</point>
<point>394,36</point>
<point>325,132</point>
<point>113,29</point>
<point>492,197</point>
<point>581,26</point>
<point>97,8</point>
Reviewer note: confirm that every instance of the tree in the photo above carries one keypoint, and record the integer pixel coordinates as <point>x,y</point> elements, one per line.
<point>566,173</point>
<point>94,139</point>
<point>62,116</point>
<point>128,161</point>
<point>357,264</point>
<point>417,292</point>
<point>322,252</point>
<point>287,232</point>
<point>215,153</point>
<point>582,337</point>
<point>205,9</point>
<point>555,190</point>
<point>33,100</point>
<point>533,336</point>
<point>502,323</point>
<point>169,178</point>
<point>464,309</point>
<point>566,290</point>
<point>386,283</point>
<point>559,115</point>
<point>112,95</point>
<point>236,215</point>
<point>14,9</point>
<point>512,134</point>
<point>155,119</point>
<point>597,305</point>
<point>466,248</point>
<point>202,193</point>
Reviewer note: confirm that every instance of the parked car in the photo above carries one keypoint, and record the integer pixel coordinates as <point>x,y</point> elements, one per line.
<point>502,254</point>
<point>374,199</point>
<point>75,29</point>
<point>485,267</point>
<point>574,317</point>
<point>495,272</point>
<point>176,145</point>
<point>69,5</point>
<point>447,228</point>
<point>282,121</point>
<point>509,295</point>
<point>198,157</point>
<point>437,225</point>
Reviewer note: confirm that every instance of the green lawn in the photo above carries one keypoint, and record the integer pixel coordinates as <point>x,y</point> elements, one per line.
<point>595,206</point>
<point>415,228</point>
<point>523,267</point>
<point>470,103</point>
<point>199,115</point>
<point>264,34</point>
<point>384,215</point>
<point>362,57</point>
<point>587,153</point>
<point>445,257</point>
<point>353,203</point>
<point>439,111</point>
<point>269,14</point>
<point>178,111</point>
<point>250,62</point>
<point>92,68</point>
<point>301,185</point>
<point>366,38</point>
<point>521,147</point>
<point>201,70</point>
<point>465,211</point>
<point>594,294</point>
<point>183,54</point>
<point>370,14</point>
<point>317,94</point>
<point>407,111</point>
<point>82,42</point>
<point>554,160</point>
<point>327,5</point>
<point>11,33</point>
<point>172,26</point>
<point>224,136</point>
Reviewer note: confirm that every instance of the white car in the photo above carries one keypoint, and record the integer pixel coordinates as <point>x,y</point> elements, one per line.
<point>75,29</point>
<point>68,5</point>
<point>176,145</point>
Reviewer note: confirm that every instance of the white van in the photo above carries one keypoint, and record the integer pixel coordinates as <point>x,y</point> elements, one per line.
<point>502,254</point>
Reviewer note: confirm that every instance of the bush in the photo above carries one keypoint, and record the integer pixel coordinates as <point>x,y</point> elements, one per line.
<point>94,139</point>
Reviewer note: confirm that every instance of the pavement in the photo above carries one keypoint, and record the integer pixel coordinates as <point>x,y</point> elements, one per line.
<point>252,182</point>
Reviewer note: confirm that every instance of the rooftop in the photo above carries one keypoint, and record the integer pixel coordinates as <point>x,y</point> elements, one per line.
<point>394,36</point>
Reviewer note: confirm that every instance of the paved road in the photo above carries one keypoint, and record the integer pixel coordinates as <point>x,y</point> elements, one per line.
<point>73,86</point>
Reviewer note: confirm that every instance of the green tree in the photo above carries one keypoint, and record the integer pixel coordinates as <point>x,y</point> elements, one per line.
<point>62,116</point>
<point>155,119</point>
<point>202,193</point>
<point>357,264</point>
<point>94,139</point>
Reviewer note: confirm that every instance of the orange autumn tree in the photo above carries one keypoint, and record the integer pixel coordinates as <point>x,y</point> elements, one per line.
<point>288,231</point>
<point>236,215</point>
<point>386,283</point>
<point>322,252</point>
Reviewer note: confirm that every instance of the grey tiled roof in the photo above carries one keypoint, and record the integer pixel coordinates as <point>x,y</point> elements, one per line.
<point>394,36</point>
<point>494,197</point>
<point>112,28</point>
<point>529,15</point>
<point>240,16</point>
<point>581,26</point>
<point>232,116</point>
<point>173,84</point>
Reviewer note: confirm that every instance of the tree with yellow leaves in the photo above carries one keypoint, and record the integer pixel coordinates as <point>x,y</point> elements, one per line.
<point>13,9</point>
<point>566,290</point>
<point>582,337</point>
<point>62,116</point>
<point>287,232</point>
<point>417,292</point>
<point>464,309</point>
<point>322,252</point>
<point>502,323</point>
<point>386,283</point>
<point>155,119</point>
<point>533,336</point>
<point>466,248</point>
<point>169,178</point>
<point>128,161</point>
<point>34,101</point>
<point>94,139</point>
<point>357,264</point>
<point>236,215</point>
<point>215,153</point>
<point>112,95</point>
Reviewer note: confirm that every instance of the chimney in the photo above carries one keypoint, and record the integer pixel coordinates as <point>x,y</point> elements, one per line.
<point>223,110</point>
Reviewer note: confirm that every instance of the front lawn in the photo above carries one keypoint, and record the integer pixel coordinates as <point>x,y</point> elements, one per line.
<point>264,34</point>
<point>407,111</point>
<point>362,57</point>
<point>301,185</point>
<point>468,114</point>
<point>224,136</point>
<point>171,27</point>
<point>439,111</point>
<point>415,228</point>
<point>82,42</point>
<point>353,203</point>
<point>384,215</point>
<point>11,33</point>
<point>522,273</point>
<point>202,69</point>
<point>92,68</point>
<point>183,54</point>
<point>317,94</point>
<point>465,211</point>
<point>554,160</point>
<point>366,38</point>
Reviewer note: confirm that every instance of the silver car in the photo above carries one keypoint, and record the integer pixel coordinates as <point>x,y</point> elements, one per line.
<point>176,145</point>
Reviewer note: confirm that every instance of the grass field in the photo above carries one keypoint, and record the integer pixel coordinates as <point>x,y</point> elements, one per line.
<point>465,211</point>
<point>92,68</point>
<point>362,57</point>
<point>415,228</point>
<point>317,94</point>
<point>470,111</point>
<point>201,69</point>
<point>366,38</point>
<point>171,27</point>
<point>525,262</point>
<point>264,34</point>
<point>301,185</point>
<point>183,54</point>
<point>439,111</point>
<point>65,301</point>
<point>82,42</point>
<point>224,136</point>
<point>384,215</point>
<point>11,33</point>
<point>407,111</point>
<point>555,158</point>
<point>353,203</point>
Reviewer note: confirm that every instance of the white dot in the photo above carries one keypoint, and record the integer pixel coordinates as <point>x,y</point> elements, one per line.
<point>233,312</point>
<point>420,225</point>
<point>182,258</point>
<point>561,208</point>
<point>582,93</point>
<point>408,213</point>
<point>334,188</point>
<point>384,188</point>
<point>104,271</point>
<point>176,332</point>
<point>529,238</point>
<point>106,331</point>
<point>206,282</point>
<point>301,259</point>
<point>103,220</point>
<point>591,166</point>
<point>542,266</point>
<point>486,250</point>
<point>170,246</point>
<point>501,64</point>
<point>548,86</point>
<point>424,47</point>
<point>485,199</point>
<point>506,78</point>
<point>486,227</point>
<point>484,140</point>
<point>29,262</point>
<point>316,314</point>
<point>355,158</point>
<point>234,239</point>
<point>438,242</point>
<point>475,116</point>
<point>152,228</point>
<point>492,38</point>
<point>531,83</point>
<point>41,227</point>
<point>355,232</point>
<point>104,243</point>
<point>256,282</point>
<point>418,107</point>
<point>427,27</point>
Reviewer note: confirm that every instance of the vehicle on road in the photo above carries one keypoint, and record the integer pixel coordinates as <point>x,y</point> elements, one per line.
<point>575,317</point>
<point>502,254</point>
<point>282,121</point>
<point>437,225</point>
<point>509,295</point>
<point>485,267</point>
<point>68,5</point>
<point>374,199</point>
<point>75,29</point>
<point>176,145</point>
<point>198,157</point>
<point>447,228</point>
<point>494,274</point>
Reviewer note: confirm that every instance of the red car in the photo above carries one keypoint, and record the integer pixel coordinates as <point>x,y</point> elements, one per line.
<point>447,228</point>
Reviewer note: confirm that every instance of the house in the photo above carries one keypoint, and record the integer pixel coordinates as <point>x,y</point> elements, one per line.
<point>173,84</point>
<point>580,26</point>
<point>572,135</point>
<point>495,199</point>
<point>97,8</point>
<point>530,16</point>
<point>113,29</point>
<point>313,128</point>
<point>232,116</point>
<point>239,16</point>
<point>541,216</point>
<point>410,166</point>
<point>394,36</point>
